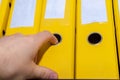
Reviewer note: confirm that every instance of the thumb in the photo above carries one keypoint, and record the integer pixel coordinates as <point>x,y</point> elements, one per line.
<point>40,72</point>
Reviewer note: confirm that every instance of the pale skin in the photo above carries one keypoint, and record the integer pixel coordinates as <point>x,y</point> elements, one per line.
<point>18,53</point>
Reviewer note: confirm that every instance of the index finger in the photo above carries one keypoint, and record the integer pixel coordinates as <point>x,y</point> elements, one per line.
<point>43,41</point>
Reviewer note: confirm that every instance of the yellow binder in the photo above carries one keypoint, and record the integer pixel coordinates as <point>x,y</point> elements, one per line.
<point>96,56</point>
<point>117,22</point>
<point>58,17</point>
<point>4,12</point>
<point>24,17</point>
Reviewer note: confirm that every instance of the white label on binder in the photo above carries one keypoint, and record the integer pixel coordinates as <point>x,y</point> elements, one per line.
<point>55,9</point>
<point>93,11</point>
<point>23,14</point>
<point>119,4</point>
<point>0,2</point>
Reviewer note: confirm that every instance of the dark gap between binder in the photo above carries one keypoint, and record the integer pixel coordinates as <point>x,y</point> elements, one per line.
<point>116,36</point>
<point>10,5</point>
<point>3,32</point>
<point>75,42</point>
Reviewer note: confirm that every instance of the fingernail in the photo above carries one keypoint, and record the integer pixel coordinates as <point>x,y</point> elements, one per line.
<point>56,42</point>
<point>53,76</point>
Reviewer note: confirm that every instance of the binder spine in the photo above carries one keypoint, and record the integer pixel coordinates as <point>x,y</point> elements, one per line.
<point>60,57</point>
<point>96,55</point>
<point>24,17</point>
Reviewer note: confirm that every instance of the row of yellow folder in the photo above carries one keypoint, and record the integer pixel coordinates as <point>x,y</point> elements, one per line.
<point>89,32</point>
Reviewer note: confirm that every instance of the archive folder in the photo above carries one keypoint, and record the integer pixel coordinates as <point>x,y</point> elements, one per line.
<point>117,23</point>
<point>4,12</point>
<point>24,17</point>
<point>58,17</point>
<point>96,56</point>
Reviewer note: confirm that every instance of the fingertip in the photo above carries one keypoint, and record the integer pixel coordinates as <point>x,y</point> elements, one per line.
<point>54,40</point>
<point>40,72</point>
<point>53,76</point>
<point>47,36</point>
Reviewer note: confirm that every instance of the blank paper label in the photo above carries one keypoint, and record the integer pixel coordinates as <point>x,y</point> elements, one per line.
<point>0,2</point>
<point>23,14</point>
<point>119,5</point>
<point>55,9</point>
<point>93,11</point>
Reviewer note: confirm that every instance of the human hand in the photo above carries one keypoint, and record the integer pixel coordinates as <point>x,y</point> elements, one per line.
<point>17,55</point>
